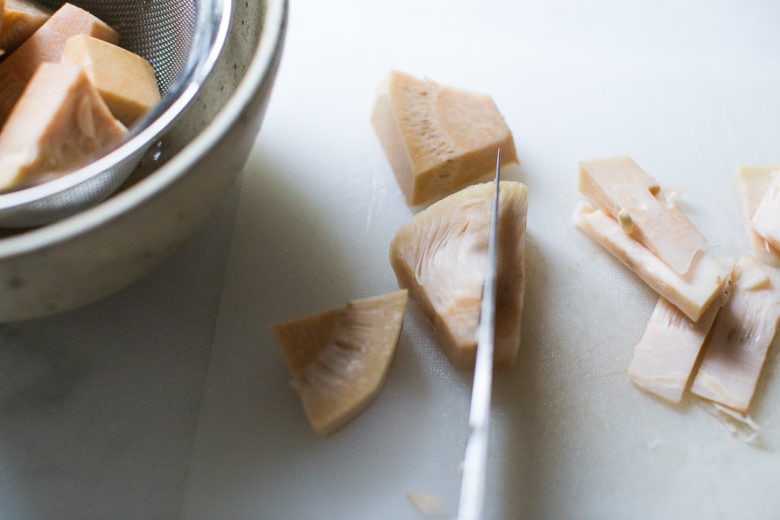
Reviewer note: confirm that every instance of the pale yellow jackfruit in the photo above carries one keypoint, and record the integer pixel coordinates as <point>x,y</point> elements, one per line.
<point>125,80</point>
<point>339,358</point>
<point>46,45</point>
<point>438,139</point>
<point>440,255</point>
<point>59,122</point>
<point>20,18</point>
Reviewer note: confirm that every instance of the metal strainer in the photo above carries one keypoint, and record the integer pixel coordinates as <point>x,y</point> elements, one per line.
<point>182,40</point>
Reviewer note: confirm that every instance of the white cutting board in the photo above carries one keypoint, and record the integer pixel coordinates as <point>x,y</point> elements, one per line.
<point>690,90</point>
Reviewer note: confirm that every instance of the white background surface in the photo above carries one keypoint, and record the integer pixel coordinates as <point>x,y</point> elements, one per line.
<point>688,89</point>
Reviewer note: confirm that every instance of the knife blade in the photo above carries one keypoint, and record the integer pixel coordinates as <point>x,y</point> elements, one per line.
<point>472,489</point>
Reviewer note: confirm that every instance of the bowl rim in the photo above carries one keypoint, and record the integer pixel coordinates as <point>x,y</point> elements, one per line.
<point>269,46</point>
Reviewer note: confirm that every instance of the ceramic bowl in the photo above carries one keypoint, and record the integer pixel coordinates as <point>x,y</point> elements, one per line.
<point>101,250</point>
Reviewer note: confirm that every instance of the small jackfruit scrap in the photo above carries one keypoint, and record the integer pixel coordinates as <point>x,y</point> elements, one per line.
<point>46,45</point>
<point>20,18</point>
<point>339,358</point>
<point>438,139</point>
<point>740,337</point>
<point>665,356</point>
<point>125,80</point>
<point>59,121</point>
<point>765,220</point>
<point>622,190</point>
<point>430,506</point>
<point>440,255</point>
<point>693,293</point>
<point>752,183</point>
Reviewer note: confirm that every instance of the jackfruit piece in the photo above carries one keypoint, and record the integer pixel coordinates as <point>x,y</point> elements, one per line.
<point>339,358</point>
<point>692,293</point>
<point>741,336</point>
<point>125,80</point>
<point>765,220</point>
<point>438,139</point>
<point>752,183</point>
<point>621,189</point>
<point>440,255</point>
<point>20,19</point>
<point>59,121</point>
<point>46,45</point>
<point>665,356</point>
<point>428,505</point>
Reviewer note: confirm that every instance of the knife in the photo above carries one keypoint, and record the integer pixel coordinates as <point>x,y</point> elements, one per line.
<point>472,488</point>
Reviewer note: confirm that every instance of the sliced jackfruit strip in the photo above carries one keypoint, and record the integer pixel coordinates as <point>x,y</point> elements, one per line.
<point>125,80</point>
<point>741,336</point>
<point>665,356</point>
<point>752,183</point>
<point>440,255</point>
<point>438,139</point>
<point>339,358</point>
<point>46,45</point>
<point>693,293</point>
<point>765,220</point>
<point>59,121</point>
<point>20,18</point>
<point>620,188</point>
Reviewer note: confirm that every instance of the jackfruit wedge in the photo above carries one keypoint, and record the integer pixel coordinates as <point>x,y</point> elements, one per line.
<point>438,139</point>
<point>440,255</point>
<point>45,45</point>
<point>20,18</point>
<point>125,80</point>
<point>59,121</point>
<point>752,183</point>
<point>339,358</point>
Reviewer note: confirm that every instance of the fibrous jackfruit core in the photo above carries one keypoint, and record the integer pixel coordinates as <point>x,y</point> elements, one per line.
<point>440,255</point>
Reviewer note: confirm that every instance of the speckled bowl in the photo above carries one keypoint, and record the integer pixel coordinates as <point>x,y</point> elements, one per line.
<point>99,251</point>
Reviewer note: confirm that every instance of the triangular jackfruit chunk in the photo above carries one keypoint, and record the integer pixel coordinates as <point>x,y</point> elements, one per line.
<point>339,358</point>
<point>440,255</point>
<point>59,121</point>
<point>438,139</point>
